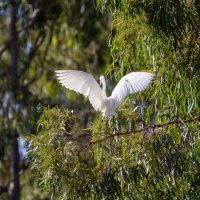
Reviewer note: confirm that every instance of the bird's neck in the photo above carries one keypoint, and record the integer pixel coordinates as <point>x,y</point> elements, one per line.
<point>104,86</point>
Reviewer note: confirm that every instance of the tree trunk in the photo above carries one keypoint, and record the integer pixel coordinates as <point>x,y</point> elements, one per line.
<point>15,192</point>
<point>14,79</point>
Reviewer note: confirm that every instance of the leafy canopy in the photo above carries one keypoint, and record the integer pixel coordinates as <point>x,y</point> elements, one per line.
<point>155,149</point>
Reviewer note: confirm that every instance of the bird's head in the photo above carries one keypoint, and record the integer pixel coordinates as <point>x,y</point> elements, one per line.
<point>101,80</point>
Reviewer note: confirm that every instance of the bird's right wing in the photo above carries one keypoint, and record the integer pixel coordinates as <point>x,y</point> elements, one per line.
<point>130,84</point>
<point>83,83</point>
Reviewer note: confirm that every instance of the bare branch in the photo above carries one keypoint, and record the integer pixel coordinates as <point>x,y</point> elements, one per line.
<point>43,58</point>
<point>36,45</point>
<point>29,24</point>
<point>5,47</point>
<point>5,188</point>
<point>31,21</point>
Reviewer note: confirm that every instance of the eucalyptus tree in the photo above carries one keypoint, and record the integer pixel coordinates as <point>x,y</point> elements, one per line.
<point>35,37</point>
<point>154,152</point>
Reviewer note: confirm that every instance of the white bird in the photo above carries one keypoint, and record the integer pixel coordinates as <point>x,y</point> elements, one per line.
<point>85,84</point>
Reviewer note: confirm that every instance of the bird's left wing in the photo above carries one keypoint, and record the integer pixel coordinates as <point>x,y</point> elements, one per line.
<point>83,83</point>
<point>129,84</point>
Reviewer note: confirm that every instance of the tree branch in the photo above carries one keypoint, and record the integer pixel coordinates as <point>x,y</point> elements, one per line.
<point>29,24</point>
<point>42,61</point>
<point>5,188</point>
<point>36,45</point>
<point>6,45</point>
<point>145,129</point>
<point>31,21</point>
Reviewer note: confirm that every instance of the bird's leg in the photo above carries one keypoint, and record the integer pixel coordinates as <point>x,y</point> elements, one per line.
<point>114,127</point>
<point>109,124</point>
<point>106,124</point>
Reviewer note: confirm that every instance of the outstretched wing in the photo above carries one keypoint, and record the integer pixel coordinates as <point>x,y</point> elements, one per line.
<point>130,84</point>
<point>83,83</point>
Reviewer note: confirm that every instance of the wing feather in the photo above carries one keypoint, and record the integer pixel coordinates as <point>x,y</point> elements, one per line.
<point>82,83</point>
<point>130,84</point>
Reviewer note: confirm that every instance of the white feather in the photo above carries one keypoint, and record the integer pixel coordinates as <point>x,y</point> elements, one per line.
<point>85,84</point>
<point>130,84</point>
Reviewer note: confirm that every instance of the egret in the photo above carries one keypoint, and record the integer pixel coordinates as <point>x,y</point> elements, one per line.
<point>85,84</point>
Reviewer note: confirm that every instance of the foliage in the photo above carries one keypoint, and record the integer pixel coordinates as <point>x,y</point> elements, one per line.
<point>147,165</point>
<point>48,144</point>
<point>138,160</point>
<point>45,36</point>
<point>152,149</point>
